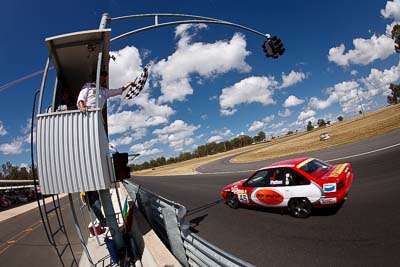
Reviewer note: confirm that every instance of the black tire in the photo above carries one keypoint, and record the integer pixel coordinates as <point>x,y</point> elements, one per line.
<point>232,202</point>
<point>300,207</point>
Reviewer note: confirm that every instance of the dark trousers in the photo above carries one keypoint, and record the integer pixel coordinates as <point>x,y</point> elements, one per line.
<point>96,208</point>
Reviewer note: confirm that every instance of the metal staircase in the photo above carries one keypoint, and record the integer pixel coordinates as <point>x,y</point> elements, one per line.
<point>54,226</point>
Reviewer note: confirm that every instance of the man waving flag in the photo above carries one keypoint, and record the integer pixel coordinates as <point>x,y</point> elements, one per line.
<point>138,84</point>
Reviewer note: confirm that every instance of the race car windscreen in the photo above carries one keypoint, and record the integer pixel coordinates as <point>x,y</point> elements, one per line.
<point>316,168</point>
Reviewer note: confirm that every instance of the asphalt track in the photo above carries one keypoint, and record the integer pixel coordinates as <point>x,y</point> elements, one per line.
<point>23,241</point>
<point>363,232</point>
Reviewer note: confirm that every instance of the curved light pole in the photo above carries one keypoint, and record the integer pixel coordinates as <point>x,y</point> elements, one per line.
<point>273,47</point>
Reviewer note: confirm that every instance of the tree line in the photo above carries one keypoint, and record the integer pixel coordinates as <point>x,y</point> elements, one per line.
<point>394,97</point>
<point>12,172</point>
<point>203,151</point>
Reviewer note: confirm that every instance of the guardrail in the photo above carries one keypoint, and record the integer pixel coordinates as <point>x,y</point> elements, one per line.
<point>167,219</point>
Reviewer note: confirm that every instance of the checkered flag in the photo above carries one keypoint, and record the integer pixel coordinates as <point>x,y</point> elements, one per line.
<point>137,86</point>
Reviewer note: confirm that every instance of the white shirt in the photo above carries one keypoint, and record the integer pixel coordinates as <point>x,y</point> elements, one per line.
<point>88,95</point>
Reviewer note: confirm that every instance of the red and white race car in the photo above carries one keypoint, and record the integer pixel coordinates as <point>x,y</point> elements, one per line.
<point>297,184</point>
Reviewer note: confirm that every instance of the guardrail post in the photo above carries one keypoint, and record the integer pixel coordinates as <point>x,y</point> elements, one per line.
<point>174,235</point>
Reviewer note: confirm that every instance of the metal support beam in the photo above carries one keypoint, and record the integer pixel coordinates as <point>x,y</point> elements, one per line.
<point>46,69</point>
<point>105,194</point>
<point>78,230</point>
<point>111,219</point>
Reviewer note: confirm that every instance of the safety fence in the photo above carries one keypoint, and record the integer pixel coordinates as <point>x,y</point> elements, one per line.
<point>168,220</point>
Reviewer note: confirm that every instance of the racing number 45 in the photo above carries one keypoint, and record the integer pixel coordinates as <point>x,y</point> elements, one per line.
<point>243,198</point>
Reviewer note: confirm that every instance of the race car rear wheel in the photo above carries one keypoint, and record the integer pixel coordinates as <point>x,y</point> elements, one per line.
<point>300,207</point>
<point>233,202</point>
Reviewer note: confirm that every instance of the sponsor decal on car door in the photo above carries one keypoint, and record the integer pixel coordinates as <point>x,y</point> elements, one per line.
<point>279,196</point>
<point>268,196</point>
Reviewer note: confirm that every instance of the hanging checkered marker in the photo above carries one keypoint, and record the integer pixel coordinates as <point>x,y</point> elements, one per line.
<point>139,84</point>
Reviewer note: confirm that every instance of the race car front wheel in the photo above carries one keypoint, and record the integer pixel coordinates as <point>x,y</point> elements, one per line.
<point>233,202</point>
<point>300,207</point>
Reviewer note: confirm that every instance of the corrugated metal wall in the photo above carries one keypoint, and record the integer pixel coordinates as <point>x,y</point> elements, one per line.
<point>72,152</point>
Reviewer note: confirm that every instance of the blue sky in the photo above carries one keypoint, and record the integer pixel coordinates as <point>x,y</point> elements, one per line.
<point>208,82</point>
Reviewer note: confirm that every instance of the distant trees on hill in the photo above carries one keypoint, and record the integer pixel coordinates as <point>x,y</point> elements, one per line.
<point>394,96</point>
<point>12,172</point>
<point>203,151</point>
<point>321,123</point>
<point>310,127</point>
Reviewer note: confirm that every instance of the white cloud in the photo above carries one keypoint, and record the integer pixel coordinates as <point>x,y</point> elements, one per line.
<point>126,67</point>
<point>177,135</point>
<point>292,101</point>
<point>323,104</point>
<point>26,131</point>
<point>15,147</point>
<point>365,51</point>
<point>128,120</point>
<point>389,28</point>
<point>354,72</point>
<point>214,138</point>
<point>204,59</point>
<point>224,132</point>
<point>249,90</point>
<point>228,112</point>
<point>145,149</point>
<point>219,135</point>
<point>256,125</point>
<point>268,118</point>
<point>151,114</point>
<point>182,31</point>
<point>126,140</point>
<point>227,132</point>
<point>347,94</point>
<point>284,114</point>
<point>150,152</point>
<point>282,131</point>
<point>350,95</point>
<point>204,116</point>
<point>143,146</point>
<point>378,81</point>
<point>139,133</point>
<point>306,114</point>
<point>3,131</point>
<point>276,125</point>
<point>292,78</point>
<point>305,121</point>
<point>392,10</point>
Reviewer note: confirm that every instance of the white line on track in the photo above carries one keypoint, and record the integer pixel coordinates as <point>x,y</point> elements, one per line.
<point>347,157</point>
<point>365,153</point>
<point>224,172</point>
